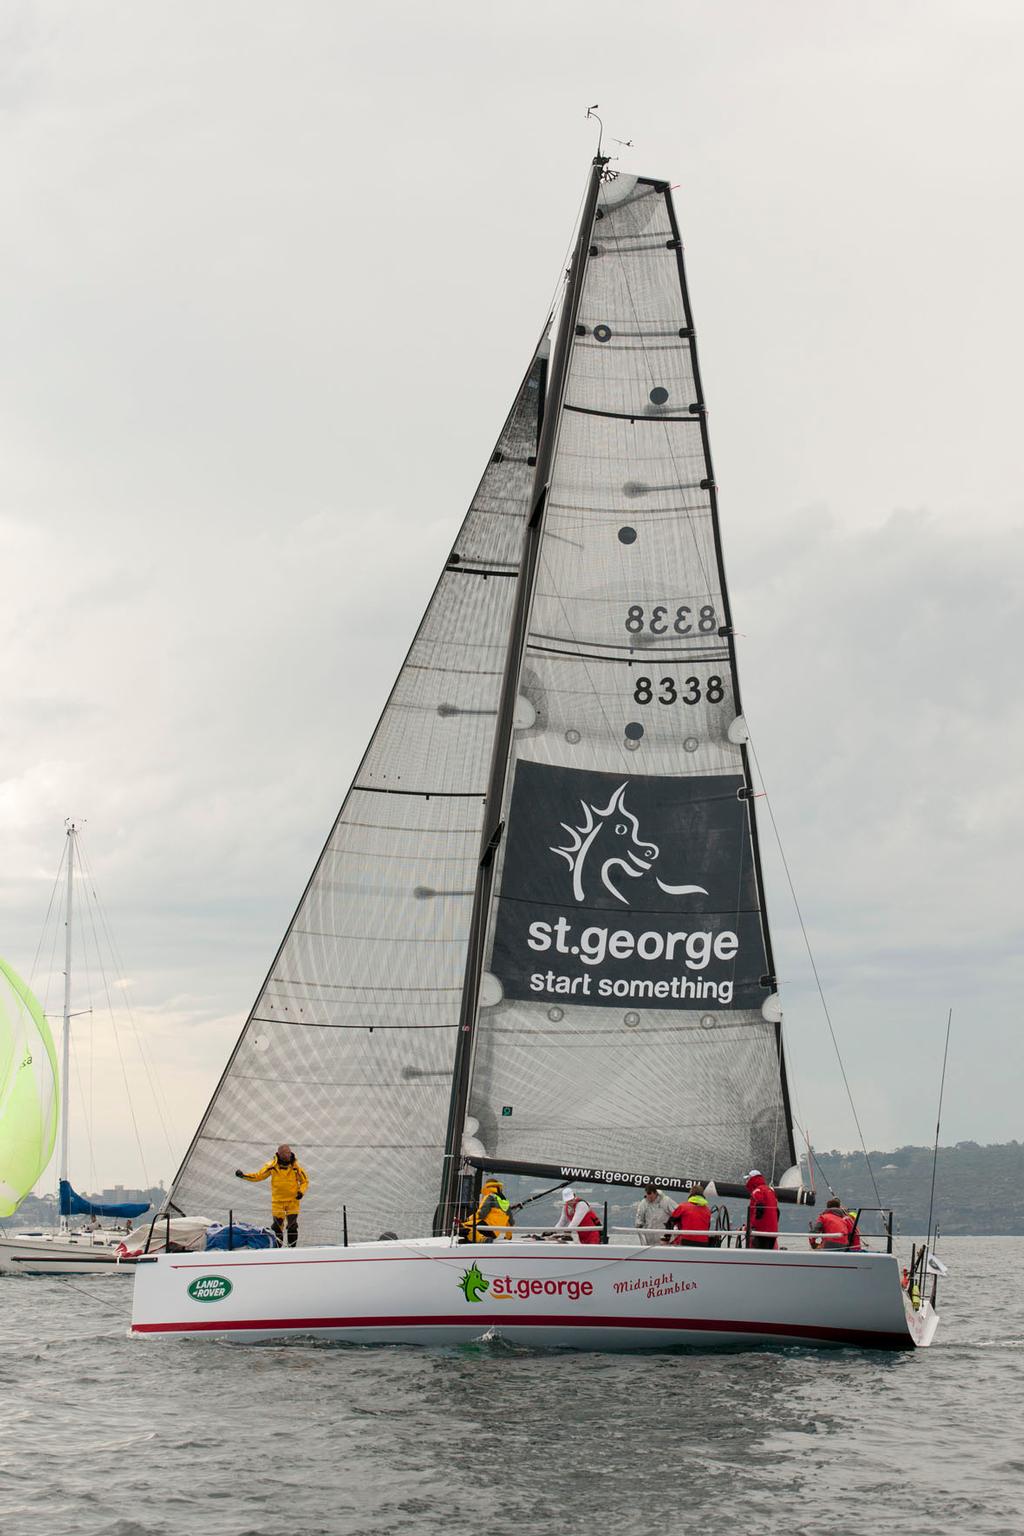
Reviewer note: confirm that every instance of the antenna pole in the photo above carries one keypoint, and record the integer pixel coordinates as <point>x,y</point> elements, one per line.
<point>65,1073</point>
<point>938,1122</point>
<point>493,826</point>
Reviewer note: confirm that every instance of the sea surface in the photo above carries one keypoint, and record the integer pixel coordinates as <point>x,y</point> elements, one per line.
<point>100,1433</point>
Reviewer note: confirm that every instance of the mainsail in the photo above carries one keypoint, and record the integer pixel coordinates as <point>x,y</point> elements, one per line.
<point>28,1090</point>
<point>536,935</point>
<point>627,1011</point>
<point>347,1053</point>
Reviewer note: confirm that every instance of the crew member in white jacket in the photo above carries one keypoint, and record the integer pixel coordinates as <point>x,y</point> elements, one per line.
<point>652,1215</point>
<point>578,1219</point>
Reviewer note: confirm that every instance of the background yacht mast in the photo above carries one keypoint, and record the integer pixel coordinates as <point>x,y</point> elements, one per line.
<point>65,1056</point>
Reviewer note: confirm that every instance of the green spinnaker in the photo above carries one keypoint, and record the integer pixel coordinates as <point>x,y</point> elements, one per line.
<point>28,1090</point>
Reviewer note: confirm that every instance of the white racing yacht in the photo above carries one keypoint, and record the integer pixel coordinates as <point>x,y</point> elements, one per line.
<point>535,942</point>
<point>37,1097</point>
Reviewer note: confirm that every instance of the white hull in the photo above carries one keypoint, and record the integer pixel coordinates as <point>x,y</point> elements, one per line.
<point>74,1255</point>
<point>538,1294</point>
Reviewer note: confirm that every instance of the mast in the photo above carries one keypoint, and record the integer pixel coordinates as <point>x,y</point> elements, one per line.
<point>492,824</point>
<point>65,1064</point>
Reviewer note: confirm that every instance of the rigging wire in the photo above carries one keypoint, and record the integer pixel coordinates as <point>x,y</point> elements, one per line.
<point>563,266</point>
<point>69,1285</point>
<point>76,1069</point>
<point>89,907</point>
<point>46,920</point>
<point>938,1122</point>
<point>812,1157</point>
<point>87,1108</point>
<point>53,969</point>
<point>152,1077</point>
<point>51,972</point>
<point>814,968</point>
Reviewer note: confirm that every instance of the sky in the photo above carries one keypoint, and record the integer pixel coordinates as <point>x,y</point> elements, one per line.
<point>270,277</point>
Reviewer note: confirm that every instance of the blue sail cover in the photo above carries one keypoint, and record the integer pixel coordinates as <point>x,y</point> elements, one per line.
<point>72,1204</point>
<point>241,1235</point>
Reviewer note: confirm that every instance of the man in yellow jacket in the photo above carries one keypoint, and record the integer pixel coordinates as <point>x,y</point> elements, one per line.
<point>493,1219</point>
<point>288,1183</point>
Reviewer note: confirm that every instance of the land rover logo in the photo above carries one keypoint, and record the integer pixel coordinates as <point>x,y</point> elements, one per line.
<point>210,1288</point>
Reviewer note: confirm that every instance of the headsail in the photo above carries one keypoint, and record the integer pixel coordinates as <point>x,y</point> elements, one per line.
<point>28,1090</point>
<point>628,1015</point>
<point>347,1053</point>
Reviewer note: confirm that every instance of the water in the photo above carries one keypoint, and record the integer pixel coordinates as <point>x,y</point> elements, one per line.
<point>103,1434</point>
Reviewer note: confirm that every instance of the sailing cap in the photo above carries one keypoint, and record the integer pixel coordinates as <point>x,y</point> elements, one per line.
<point>567,1194</point>
<point>754,1172</point>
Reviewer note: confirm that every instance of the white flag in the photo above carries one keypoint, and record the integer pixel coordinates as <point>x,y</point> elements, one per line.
<point>935,1266</point>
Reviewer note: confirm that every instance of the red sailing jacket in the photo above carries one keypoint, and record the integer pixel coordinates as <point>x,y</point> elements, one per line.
<point>834,1227</point>
<point>763,1212</point>
<point>589,1229</point>
<point>693,1219</point>
<point>838,1230</point>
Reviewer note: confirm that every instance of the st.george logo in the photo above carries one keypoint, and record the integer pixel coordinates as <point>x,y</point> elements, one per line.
<point>473,1285</point>
<point>609,845</point>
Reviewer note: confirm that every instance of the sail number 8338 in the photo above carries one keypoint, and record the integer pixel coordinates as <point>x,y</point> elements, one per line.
<point>662,621</point>
<point>667,690</point>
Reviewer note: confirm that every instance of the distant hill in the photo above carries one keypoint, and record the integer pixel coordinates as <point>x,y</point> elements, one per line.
<point>979,1191</point>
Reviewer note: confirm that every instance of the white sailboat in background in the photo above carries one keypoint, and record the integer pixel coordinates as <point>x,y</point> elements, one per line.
<point>535,942</point>
<point>69,1250</point>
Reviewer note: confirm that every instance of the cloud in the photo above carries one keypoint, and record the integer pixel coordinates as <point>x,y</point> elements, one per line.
<point>271,308</point>
<point>879,666</point>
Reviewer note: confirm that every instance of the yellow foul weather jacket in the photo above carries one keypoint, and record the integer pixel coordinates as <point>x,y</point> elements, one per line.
<point>287,1183</point>
<point>494,1211</point>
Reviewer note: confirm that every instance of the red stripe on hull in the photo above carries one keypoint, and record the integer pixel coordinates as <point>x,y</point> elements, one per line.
<point>454,1256</point>
<point>865,1337</point>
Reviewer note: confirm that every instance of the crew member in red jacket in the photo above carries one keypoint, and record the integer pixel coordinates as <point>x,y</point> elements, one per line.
<point>692,1220</point>
<point>762,1213</point>
<point>581,1223</point>
<point>837,1228</point>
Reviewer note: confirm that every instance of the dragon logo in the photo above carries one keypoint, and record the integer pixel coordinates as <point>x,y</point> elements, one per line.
<point>473,1285</point>
<point>632,857</point>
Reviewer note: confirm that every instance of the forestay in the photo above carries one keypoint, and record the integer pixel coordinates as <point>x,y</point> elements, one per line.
<point>348,1051</point>
<point>628,1012</point>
